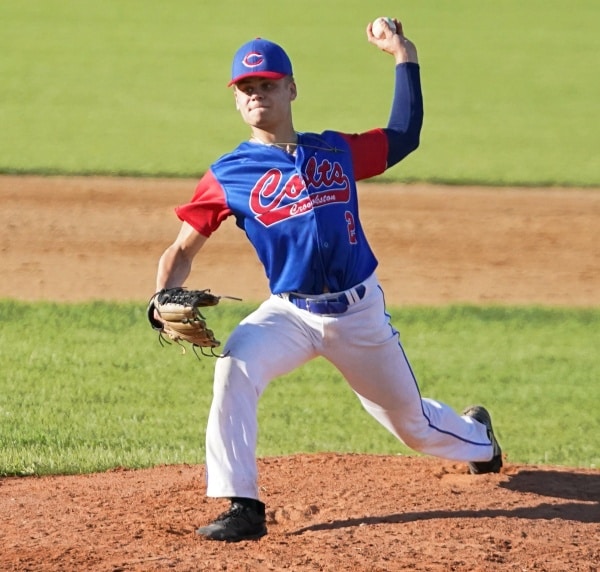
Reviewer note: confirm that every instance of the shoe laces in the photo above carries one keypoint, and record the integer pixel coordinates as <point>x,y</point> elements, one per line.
<point>233,511</point>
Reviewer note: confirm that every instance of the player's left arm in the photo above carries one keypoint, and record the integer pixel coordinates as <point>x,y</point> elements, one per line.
<point>406,117</point>
<point>379,149</point>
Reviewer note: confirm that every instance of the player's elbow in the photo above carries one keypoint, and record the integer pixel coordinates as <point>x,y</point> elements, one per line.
<point>402,144</point>
<point>414,142</point>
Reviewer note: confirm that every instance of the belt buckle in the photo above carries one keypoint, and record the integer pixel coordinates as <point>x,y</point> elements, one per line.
<point>332,306</point>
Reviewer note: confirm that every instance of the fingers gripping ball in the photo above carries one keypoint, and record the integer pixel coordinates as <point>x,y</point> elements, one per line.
<point>180,317</point>
<point>381,24</point>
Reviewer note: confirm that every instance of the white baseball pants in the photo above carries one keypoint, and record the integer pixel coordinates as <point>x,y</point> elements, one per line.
<point>279,337</point>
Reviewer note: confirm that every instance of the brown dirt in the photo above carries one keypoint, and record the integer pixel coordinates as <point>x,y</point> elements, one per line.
<point>73,239</point>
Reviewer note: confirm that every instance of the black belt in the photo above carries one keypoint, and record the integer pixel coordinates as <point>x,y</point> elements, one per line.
<point>336,304</point>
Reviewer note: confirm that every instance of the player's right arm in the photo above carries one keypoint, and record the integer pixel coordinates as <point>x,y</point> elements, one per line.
<point>200,218</point>
<point>175,264</point>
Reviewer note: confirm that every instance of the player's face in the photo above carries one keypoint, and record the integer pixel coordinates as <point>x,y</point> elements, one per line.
<point>264,102</point>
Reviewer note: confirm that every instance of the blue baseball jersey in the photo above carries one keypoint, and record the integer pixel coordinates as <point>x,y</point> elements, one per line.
<point>300,212</point>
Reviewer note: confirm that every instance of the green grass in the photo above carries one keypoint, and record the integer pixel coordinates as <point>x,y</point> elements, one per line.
<point>133,87</point>
<point>102,393</point>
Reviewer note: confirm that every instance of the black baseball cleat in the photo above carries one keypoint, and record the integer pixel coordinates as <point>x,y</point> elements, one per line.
<point>481,414</point>
<point>245,520</point>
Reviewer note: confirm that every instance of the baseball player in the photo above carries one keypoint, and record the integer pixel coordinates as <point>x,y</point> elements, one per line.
<point>294,195</point>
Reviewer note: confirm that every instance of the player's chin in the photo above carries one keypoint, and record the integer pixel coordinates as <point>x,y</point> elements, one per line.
<point>255,117</point>
<point>259,114</point>
<point>263,122</point>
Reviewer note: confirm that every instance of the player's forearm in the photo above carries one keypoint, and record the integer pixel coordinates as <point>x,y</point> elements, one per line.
<point>174,267</point>
<point>405,52</point>
<point>406,117</point>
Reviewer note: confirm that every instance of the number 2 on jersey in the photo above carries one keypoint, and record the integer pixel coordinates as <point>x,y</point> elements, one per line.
<point>351,227</point>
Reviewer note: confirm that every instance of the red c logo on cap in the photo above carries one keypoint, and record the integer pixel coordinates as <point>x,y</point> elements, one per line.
<point>253,59</point>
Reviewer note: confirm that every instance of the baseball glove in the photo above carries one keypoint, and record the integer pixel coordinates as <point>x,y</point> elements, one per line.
<point>180,317</point>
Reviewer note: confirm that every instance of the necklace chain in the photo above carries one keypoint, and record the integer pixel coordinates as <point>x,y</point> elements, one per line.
<point>288,147</point>
<point>291,147</point>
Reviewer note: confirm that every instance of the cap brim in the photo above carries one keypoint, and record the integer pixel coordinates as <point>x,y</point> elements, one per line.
<point>269,75</point>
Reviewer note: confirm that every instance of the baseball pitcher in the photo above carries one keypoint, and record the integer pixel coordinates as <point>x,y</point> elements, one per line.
<point>294,194</point>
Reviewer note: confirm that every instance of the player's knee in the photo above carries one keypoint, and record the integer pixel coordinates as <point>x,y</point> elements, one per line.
<point>415,441</point>
<point>413,435</point>
<point>232,377</point>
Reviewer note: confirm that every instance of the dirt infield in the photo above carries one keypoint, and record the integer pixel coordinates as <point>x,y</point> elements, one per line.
<point>74,239</point>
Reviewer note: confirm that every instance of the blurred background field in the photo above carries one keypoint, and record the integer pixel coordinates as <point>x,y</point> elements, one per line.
<point>102,393</point>
<point>139,88</point>
<point>135,87</point>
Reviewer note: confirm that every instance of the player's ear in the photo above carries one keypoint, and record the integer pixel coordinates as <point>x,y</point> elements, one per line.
<point>237,105</point>
<point>293,90</point>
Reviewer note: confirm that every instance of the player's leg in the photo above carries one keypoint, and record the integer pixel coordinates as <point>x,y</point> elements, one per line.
<point>366,349</point>
<point>268,343</point>
<point>389,392</point>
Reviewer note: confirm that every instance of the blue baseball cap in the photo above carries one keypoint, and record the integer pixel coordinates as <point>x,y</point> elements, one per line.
<point>261,58</point>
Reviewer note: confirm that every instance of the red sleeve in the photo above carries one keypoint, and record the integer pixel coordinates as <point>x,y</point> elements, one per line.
<point>208,207</point>
<point>369,153</point>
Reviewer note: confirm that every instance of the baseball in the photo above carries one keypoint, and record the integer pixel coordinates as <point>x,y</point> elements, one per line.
<point>380,25</point>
